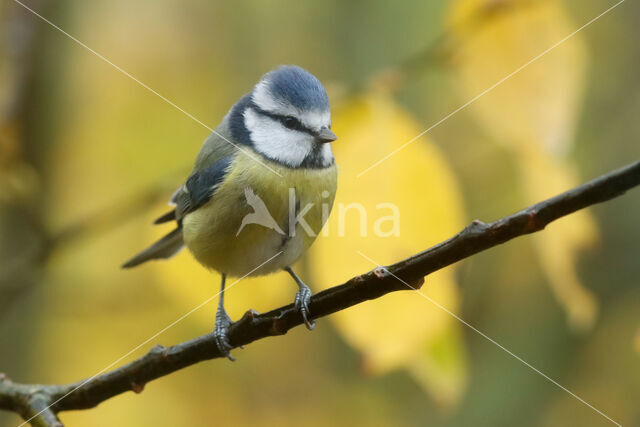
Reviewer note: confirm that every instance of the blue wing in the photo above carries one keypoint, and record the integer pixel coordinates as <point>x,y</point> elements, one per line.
<point>198,190</point>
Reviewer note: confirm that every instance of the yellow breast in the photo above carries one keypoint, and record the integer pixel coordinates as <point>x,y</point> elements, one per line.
<point>233,235</point>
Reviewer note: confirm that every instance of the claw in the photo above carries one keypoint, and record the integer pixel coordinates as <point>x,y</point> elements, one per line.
<point>303,296</point>
<point>220,333</point>
<point>301,303</point>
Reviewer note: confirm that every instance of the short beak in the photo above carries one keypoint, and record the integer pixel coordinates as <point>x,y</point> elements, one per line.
<point>326,135</point>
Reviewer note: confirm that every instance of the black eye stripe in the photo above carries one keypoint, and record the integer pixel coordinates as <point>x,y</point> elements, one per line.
<point>289,122</point>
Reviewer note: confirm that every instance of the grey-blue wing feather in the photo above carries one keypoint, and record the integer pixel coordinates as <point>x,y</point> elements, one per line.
<point>218,144</point>
<point>200,187</point>
<point>198,190</point>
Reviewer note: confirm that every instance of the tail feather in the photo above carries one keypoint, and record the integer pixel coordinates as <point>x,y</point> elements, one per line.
<point>169,216</point>
<point>166,247</point>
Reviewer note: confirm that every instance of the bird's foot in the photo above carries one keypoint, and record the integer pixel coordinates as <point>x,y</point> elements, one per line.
<point>220,333</point>
<point>301,303</point>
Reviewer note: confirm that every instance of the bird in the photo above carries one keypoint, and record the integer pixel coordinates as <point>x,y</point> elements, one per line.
<point>271,150</point>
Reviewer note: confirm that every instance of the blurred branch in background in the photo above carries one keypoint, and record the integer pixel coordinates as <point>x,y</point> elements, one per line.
<point>111,216</point>
<point>39,404</point>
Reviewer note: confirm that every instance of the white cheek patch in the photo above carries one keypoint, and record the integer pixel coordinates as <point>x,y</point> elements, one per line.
<point>275,141</point>
<point>326,155</point>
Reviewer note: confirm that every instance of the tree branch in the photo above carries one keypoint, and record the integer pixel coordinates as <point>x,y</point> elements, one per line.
<point>28,400</point>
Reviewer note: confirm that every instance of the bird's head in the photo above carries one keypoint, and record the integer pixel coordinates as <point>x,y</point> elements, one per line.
<point>286,118</point>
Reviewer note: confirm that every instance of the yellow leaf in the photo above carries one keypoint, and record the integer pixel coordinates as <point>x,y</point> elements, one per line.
<point>397,330</point>
<point>540,102</point>
<point>532,111</point>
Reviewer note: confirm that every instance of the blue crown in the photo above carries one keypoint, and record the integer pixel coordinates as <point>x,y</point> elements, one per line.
<point>296,86</point>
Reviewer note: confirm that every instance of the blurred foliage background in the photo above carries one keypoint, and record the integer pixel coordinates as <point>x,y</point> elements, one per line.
<point>88,158</point>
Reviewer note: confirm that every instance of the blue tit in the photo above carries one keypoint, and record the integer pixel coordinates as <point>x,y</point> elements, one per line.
<point>234,212</point>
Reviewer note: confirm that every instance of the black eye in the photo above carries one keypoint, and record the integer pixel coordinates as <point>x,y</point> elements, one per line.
<point>290,122</point>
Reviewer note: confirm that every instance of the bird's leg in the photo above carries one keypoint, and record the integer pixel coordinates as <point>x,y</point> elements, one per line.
<point>221,328</point>
<point>302,299</point>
